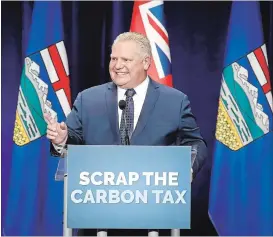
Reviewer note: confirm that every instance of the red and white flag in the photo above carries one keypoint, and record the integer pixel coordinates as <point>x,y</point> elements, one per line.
<point>148,19</point>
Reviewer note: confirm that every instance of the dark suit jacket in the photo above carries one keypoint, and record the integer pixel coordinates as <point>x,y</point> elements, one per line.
<point>165,119</point>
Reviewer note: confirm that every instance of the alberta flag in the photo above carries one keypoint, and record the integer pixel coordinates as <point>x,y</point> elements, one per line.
<point>35,199</point>
<point>241,192</point>
<point>148,19</point>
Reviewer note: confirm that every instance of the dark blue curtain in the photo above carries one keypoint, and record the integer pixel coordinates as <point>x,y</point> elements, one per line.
<point>197,34</point>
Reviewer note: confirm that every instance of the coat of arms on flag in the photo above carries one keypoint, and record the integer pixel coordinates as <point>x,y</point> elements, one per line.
<point>245,105</point>
<point>44,69</point>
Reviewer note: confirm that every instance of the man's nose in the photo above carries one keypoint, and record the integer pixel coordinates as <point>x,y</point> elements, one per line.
<point>119,64</point>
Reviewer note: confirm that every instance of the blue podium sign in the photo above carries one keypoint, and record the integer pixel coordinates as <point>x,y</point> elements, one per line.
<point>129,187</point>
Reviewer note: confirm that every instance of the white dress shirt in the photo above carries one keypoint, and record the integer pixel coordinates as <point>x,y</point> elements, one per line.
<point>138,98</point>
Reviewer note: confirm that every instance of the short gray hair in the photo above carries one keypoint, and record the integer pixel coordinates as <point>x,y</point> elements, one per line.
<point>138,38</point>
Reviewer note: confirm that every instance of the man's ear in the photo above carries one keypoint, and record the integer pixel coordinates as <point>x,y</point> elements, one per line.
<point>146,62</point>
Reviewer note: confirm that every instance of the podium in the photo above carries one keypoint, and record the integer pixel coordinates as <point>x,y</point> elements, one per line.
<point>126,187</point>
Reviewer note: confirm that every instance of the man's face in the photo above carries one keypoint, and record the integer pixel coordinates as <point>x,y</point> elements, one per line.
<point>128,64</point>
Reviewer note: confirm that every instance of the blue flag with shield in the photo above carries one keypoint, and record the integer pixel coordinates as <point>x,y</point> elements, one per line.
<point>241,191</point>
<point>35,199</point>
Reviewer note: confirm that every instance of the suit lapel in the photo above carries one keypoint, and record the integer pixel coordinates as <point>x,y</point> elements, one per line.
<point>148,106</point>
<point>112,109</point>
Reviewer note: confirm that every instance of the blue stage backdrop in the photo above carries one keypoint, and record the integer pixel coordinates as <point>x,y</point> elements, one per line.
<point>197,35</point>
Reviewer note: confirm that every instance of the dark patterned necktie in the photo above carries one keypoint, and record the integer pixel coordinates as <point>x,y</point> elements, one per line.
<point>127,117</point>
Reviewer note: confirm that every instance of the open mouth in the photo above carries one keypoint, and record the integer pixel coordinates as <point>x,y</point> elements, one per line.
<point>121,73</point>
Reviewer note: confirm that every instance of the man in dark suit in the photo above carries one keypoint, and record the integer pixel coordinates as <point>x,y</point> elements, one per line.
<point>154,114</point>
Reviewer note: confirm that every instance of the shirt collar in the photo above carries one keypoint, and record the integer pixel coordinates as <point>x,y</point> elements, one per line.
<point>140,90</point>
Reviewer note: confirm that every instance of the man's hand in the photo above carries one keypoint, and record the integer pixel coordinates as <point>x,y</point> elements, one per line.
<point>56,132</point>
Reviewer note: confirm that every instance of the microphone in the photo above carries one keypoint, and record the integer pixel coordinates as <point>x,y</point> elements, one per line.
<point>122,105</point>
